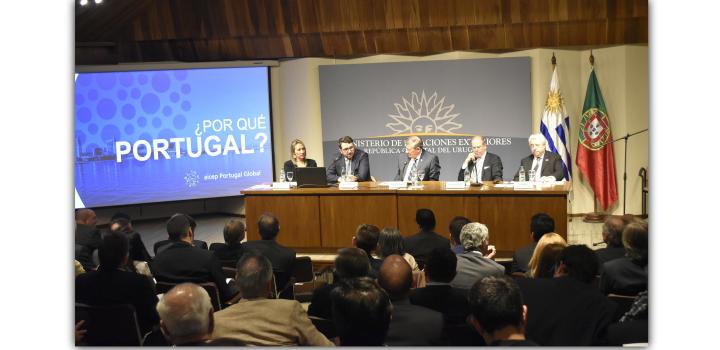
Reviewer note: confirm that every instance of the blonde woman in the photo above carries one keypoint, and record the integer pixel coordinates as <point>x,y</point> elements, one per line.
<point>543,259</point>
<point>298,158</point>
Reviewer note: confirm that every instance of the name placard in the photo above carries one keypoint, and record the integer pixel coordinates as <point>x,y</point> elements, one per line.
<point>281,186</point>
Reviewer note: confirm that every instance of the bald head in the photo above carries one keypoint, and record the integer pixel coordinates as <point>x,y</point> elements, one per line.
<point>612,230</point>
<point>86,217</point>
<point>395,277</point>
<point>186,313</point>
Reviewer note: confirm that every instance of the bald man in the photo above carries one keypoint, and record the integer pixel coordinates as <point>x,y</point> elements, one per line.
<point>481,164</point>
<point>411,325</point>
<point>186,315</point>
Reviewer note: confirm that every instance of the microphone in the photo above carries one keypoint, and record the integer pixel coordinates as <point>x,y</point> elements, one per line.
<point>598,243</point>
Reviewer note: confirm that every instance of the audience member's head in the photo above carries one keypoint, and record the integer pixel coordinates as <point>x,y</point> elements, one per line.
<point>425,218</point>
<point>351,263</point>
<point>541,224</point>
<point>268,226</point>
<point>456,225</point>
<point>180,226</point>
<point>113,251</point>
<point>541,257</point>
<point>578,262</point>
<point>366,238</point>
<point>86,216</point>
<point>254,275</point>
<point>121,225</point>
<point>234,231</point>
<point>497,309</point>
<point>635,240</point>
<point>474,236</point>
<point>612,231</point>
<point>441,265</point>
<point>361,312</point>
<point>186,314</point>
<point>121,215</point>
<point>395,277</point>
<point>390,242</point>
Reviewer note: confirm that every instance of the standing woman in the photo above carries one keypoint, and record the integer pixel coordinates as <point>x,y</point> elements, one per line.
<point>297,157</point>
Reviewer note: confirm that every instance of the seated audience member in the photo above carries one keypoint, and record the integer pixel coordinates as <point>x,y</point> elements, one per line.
<point>498,312</point>
<point>110,285</point>
<point>418,159</point>
<point>87,237</point>
<point>420,244</point>
<point>361,312</point>
<point>481,165</point>
<point>612,236</point>
<point>122,223</point>
<point>547,251</point>
<point>411,325</point>
<point>366,238</point>
<point>547,165</point>
<point>186,315</point>
<point>349,263</point>
<point>567,310</point>
<point>232,249</point>
<point>391,242</point>
<point>78,268</point>
<point>437,294</point>
<point>628,275</point>
<point>173,237</point>
<point>540,224</point>
<point>633,325</point>
<point>298,158</point>
<point>259,321</point>
<point>476,262</point>
<point>181,262</point>
<point>281,257</point>
<point>352,158</point>
<point>456,225</point>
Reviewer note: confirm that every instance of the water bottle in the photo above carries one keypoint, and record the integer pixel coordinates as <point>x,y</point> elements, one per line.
<point>531,175</point>
<point>467,177</point>
<point>521,174</point>
<point>281,177</point>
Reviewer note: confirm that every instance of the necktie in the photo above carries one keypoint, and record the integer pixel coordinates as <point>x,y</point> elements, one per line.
<point>347,166</point>
<point>535,168</point>
<point>413,168</point>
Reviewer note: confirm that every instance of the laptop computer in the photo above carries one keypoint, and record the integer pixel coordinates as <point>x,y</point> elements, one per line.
<point>311,177</point>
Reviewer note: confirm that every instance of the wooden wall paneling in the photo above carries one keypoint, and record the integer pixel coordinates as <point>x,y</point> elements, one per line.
<point>341,214</point>
<point>633,30</point>
<point>297,231</point>
<point>443,206</point>
<point>583,33</point>
<point>490,37</point>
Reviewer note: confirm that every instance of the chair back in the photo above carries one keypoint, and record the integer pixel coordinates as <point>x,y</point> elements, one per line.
<point>229,272</point>
<point>324,326</point>
<point>623,302</point>
<point>162,287</point>
<point>303,270</point>
<point>109,325</point>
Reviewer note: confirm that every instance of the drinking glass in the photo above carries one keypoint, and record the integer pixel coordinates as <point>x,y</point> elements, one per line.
<point>289,175</point>
<point>420,175</point>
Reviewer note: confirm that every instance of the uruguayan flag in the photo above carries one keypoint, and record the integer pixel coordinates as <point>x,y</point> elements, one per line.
<point>555,125</point>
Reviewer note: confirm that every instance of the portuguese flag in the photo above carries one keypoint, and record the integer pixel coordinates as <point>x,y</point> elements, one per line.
<point>595,157</point>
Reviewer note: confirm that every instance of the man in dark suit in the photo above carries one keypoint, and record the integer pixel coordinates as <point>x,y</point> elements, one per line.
<point>230,252</point>
<point>437,294</point>
<point>182,262</point>
<point>612,236</point>
<point>420,244</point>
<point>419,160</point>
<point>411,325</point>
<point>628,275</point>
<point>350,263</point>
<point>111,285</point>
<point>366,238</point>
<point>476,262</point>
<point>567,310</point>
<point>540,224</point>
<point>282,258</point>
<point>349,158</point>
<point>361,312</point>
<point>174,237</point>
<point>547,165</point>
<point>481,164</point>
<point>87,237</point>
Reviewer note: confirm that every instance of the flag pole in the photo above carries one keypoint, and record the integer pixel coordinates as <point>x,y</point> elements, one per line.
<point>595,216</point>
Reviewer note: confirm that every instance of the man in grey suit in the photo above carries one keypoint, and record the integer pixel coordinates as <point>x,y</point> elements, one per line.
<point>356,160</point>
<point>418,159</point>
<point>476,262</point>
<point>547,165</point>
<point>482,165</point>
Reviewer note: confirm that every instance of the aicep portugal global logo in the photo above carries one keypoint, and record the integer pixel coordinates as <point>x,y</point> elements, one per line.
<point>595,131</point>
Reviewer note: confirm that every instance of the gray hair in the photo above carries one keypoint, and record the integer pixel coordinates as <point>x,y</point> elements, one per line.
<point>254,272</point>
<point>414,142</point>
<point>473,235</point>
<point>537,137</point>
<point>185,310</point>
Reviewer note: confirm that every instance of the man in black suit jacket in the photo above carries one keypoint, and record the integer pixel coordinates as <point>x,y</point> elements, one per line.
<point>479,161</point>
<point>111,285</point>
<point>350,263</point>
<point>411,325</point>
<point>612,236</point>
<point>182,262</point>
<point>628,275</point>
<point>547,164</point>
<point>87,237</point>
<point>174,237</point>
<point>540,224</point>
<point>230,252</point>
<point>567,310</point>
<point>422,243</point>
<point>356,159</point>
<point>282,258</point>
<point>437,293</point>
<point>420,159</point>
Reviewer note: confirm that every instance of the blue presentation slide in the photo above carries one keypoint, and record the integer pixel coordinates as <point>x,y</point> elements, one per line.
<point>168,135</point>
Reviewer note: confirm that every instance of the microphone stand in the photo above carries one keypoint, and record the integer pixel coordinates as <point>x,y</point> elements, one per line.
<point>625,138</point>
